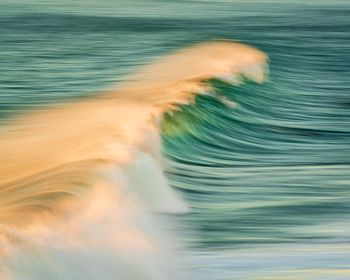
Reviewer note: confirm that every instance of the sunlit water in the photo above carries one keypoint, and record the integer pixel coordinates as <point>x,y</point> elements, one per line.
<point>264,167</point>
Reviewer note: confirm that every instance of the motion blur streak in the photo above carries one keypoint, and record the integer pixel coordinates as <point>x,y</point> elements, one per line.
<point>258,172</point>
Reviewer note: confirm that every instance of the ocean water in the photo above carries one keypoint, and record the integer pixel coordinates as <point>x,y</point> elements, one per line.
<point>259,172</point>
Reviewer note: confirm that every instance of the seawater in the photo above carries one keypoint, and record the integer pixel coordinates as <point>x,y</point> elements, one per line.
<point>266,179</point>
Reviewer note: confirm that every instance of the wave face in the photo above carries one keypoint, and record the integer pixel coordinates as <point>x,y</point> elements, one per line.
<point>80,180</point>
<point>259,172</point>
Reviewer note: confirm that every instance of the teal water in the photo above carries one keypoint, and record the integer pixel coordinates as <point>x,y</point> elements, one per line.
<point>268,180</point>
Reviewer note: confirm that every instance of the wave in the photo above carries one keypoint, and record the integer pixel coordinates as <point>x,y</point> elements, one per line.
<point>80,182</point>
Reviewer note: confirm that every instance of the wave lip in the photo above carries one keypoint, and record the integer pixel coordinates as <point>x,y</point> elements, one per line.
<point>176,78</point>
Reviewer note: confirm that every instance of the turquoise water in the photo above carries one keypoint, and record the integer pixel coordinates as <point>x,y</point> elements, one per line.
<point>268,180</point>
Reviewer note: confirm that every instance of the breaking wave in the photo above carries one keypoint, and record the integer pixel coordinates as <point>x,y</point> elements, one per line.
<point>81,182</point>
